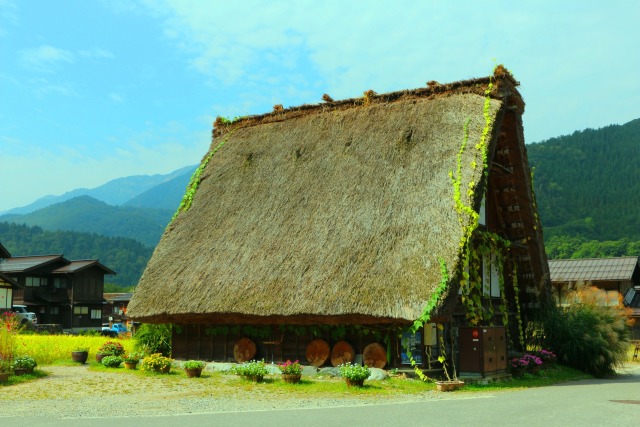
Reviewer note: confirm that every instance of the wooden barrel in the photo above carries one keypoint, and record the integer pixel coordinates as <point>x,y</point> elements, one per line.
<point>244,350</point>
<point>317,352</point>
<point>342,353</point>
<point>375,356</point>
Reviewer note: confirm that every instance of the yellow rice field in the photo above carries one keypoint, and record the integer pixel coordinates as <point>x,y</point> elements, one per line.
<point>52,349</point>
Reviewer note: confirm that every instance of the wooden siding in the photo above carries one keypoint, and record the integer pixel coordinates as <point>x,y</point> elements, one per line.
<point>194,342</point>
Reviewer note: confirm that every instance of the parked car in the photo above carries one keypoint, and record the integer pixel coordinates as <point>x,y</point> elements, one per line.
<point>24,315</point>
<point>113,330</point>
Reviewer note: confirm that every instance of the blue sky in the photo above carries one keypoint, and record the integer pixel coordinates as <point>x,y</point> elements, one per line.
<point>94,90</point>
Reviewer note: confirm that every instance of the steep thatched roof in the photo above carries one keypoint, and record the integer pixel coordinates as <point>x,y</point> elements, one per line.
<point>331,213</point>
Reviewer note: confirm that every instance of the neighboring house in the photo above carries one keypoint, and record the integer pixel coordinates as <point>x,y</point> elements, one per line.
<point>115,309</point>
<point>7,287</point>
<point>619,277</point>
<point>59,291</point>
<point>345,220</point>
<point>7,284</point>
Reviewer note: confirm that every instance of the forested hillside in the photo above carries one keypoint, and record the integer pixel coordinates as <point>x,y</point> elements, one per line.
<point>588,191</point>
<point>86,214</point>
<point>127,257</point>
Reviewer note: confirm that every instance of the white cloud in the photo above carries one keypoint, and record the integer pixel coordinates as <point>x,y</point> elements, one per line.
<point>117,97</point>
<point>96,53</point>
<point>45,58</point>
<point>8,16</point>
<point>43,87</point>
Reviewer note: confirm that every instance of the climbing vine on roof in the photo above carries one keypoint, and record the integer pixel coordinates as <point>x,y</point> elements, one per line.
<point>194,183</point>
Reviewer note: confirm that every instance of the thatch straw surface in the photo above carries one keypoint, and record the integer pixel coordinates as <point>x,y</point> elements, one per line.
<point>341,215</point>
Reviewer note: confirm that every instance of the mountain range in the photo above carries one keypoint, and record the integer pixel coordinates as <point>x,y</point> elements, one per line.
<point>150,191</point>
<point>137,207</point>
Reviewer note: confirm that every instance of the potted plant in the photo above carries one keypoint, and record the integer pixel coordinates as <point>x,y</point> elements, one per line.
<point>291,371</point>
<point>193,368</point>
<point>80,355</point>
<point>23,365</point>
<point>157,363</point>
<point>450,384</point>
<point>111,361</point>
<point>5,370</point>
<point>109,348</point>
<point>131,360</point>
<point>353,374</point>
<point>253,370</point>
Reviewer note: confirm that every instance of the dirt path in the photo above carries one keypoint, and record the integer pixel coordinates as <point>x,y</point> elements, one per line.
<point>76,391</point>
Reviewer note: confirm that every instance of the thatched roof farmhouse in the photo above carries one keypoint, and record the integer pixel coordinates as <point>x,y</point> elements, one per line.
<point>351,213</point>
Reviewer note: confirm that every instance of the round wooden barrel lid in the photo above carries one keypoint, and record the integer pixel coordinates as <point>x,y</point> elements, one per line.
<point>317,352</point>
<point>244,350</point>
<point>375,355</point>
<point>342,353</point>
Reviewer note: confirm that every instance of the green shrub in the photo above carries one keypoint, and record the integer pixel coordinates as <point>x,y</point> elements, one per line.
<point>254,368</point>
<point>354,372</point>
<point>151,339</point>
<point>112,361</point>
<point>193,364</point>
<point>587,336</point>
<point>24,362</point>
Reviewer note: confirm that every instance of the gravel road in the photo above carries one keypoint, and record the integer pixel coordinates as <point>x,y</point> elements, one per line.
<point>77,391</point>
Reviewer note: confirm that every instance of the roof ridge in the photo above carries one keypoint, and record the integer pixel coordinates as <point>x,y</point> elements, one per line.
<point>505,85</point>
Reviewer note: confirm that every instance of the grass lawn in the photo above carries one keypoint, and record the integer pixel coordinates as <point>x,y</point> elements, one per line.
<point>56,350</point>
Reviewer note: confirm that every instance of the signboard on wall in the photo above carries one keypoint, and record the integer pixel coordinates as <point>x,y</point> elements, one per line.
<point>414,343</point>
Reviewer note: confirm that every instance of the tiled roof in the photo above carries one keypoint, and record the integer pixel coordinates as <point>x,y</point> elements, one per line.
<point>25,263</point>
<point>82,264</point>
<point>592,269</point>
<point>121,296</point>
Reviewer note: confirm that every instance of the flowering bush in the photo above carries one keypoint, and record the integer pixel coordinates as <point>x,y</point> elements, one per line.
<point>253,368</point>
<point>532,359</point>
<point>9,327</point>
<point>354,372</point>
<point>132,358</point>
<point>111,361</point>
<point>291,368</point>
<point>546,356</point>
<point>156,362</point>
<point>111,348</point>
<point>24,362</point>
<point>519,363</point>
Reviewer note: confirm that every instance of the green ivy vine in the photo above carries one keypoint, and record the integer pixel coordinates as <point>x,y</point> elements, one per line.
<point>194,183</point>
<point>473,252</point>
<point>516,298</point>
<point>484,246</point>
<point>426,315</point>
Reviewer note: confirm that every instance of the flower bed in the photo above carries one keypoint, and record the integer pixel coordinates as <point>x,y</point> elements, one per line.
<point>156,363</point>
<point>253,370</point>
<point>354,375</point>
<point>111,348</point>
